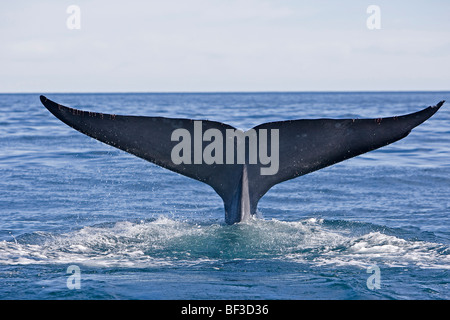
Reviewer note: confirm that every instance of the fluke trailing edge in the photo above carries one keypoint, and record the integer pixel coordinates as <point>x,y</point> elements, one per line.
<point>240,166</point>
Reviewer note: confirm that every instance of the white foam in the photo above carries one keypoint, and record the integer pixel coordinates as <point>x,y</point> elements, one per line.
<point>165,242</point>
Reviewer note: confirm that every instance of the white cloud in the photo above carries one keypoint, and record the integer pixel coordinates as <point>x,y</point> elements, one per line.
<point>212,45</point>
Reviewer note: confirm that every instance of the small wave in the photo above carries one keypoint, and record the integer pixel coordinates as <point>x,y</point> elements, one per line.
<point>164,242</point>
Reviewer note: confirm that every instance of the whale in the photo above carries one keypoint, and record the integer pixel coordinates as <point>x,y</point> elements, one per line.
<point>301,146</point>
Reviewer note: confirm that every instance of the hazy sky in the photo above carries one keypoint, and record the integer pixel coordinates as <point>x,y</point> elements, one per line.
<point>226,45</point>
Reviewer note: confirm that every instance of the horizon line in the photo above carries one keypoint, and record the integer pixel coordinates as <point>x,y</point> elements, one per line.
<point>223,92</point>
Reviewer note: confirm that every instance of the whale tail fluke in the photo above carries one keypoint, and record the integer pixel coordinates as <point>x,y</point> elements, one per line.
<point>303,146</point>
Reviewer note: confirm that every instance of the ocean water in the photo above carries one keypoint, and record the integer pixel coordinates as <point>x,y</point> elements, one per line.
<point>137,231</point>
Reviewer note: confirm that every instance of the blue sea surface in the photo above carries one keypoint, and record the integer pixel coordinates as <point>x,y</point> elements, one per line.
<point>137,231</point>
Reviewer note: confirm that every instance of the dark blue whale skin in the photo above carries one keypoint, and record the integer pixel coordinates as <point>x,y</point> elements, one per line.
<point>304,146</point>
